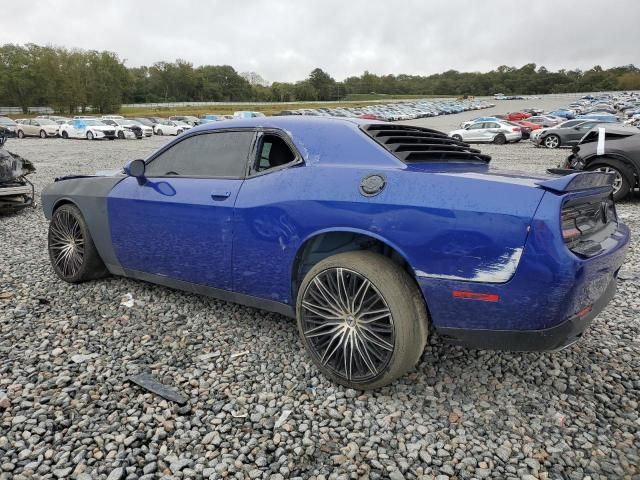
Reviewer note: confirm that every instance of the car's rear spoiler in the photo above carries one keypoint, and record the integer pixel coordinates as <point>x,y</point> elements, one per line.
<point>572,181</point>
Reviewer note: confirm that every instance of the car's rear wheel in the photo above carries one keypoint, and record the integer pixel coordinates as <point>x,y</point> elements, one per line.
<point>362,319</point>
<point>623,180</point>
<point>20,134</point>
<point>89,135</point>
<point>65,135</point>
<point>552,141</point>
<point>43,134</point>
<point>500,139</point>
<point>72,252</point>
<point>457,137</point>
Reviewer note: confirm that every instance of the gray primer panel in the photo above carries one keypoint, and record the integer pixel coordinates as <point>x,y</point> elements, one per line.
<point>89,194</point>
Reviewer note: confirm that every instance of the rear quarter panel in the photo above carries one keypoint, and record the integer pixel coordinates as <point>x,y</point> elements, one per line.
<point>444,224</point>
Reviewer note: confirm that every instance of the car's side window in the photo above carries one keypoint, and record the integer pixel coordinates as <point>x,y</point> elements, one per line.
<point>220,155</point>
<point>273,152</point>
<point>476,126</point>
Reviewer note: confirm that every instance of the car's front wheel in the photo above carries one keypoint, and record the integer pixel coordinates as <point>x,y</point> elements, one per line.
<point>89,135</point>
<point>20,134</point>
<point>159,132</point>
<point>65,135</point>
<point>623,178</point>
<point>362,319</point>
<point>72,252</point>
<point>457,137</point>
<point>43,134</point>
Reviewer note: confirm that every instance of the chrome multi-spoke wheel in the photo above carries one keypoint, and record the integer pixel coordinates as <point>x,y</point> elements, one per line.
<point>617,182</point>
<point>361,318</point>
<point>73,255</point>
<point>348,324</point>
<point>66,243</point>
<point>552,141</point>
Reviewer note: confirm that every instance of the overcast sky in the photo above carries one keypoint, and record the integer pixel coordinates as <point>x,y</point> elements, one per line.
<point>283,40</point>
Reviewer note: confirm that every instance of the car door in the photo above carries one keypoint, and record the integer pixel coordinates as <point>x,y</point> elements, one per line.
<point>490,130</point>
<point>474,133</point>
<point>178,223</point>
<point>31,128</point>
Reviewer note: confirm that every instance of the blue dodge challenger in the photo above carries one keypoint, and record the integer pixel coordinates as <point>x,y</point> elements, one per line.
<point>369,234</point>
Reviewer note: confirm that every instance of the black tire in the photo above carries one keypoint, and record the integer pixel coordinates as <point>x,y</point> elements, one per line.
<point>121,135</point>
<point>552,141</point>
<point>500,139</point>
<point>82,262</point>
<point>624,176</point>
<point>456,137</point>
<point>65,135</point>
<point>20,134</point>
<point>178,132</point>
<point>399,337</point>
<point>89,135</point>
<point>43,134</point>
<point>159,132</point>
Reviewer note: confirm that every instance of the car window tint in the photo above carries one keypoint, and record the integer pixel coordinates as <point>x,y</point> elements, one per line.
<point>476,126</point>
<point>222,154</point>
<point>273,152</point>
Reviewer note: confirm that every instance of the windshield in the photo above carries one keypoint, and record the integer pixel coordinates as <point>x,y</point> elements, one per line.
<point>6,121</point>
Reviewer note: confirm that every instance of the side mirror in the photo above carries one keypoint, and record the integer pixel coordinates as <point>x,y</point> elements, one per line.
<point>136,168</point>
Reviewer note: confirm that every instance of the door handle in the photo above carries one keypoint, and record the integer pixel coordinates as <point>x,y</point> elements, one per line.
<point>219,196</point>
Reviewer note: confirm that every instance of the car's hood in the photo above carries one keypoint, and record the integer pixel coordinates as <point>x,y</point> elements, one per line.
<point>101,173</point>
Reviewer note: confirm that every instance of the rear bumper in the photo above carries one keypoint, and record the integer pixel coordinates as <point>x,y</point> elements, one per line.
<point>554,338</point>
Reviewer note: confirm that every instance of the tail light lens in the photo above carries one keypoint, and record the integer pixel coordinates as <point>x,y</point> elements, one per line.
<point>588,222</point>
<point>515,129</point>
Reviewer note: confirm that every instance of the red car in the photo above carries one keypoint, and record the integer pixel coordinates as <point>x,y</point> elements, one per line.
<point>530,125</point>
<point>515,116</point>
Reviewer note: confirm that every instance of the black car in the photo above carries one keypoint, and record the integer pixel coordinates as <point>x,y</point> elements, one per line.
<point>610,149</point>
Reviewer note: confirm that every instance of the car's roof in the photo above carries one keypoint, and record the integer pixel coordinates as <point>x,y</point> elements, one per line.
<point>320,140</point>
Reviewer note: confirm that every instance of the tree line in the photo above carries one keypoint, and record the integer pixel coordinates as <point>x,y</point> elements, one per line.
<point>70,80</point>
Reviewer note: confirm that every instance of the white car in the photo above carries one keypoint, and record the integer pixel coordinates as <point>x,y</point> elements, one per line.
<point>170,127</point>
<point>89,128</point>
<point>487,132</point>
<point>129,129</point>
<point>36,127</point>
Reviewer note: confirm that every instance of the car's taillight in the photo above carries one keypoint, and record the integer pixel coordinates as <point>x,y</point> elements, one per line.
<point>515,129</point>
<point>586,223</point>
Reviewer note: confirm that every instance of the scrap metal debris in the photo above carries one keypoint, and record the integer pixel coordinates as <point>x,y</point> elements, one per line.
<point>148,382</point>
<point>16,191</point>
<point>127,300</point>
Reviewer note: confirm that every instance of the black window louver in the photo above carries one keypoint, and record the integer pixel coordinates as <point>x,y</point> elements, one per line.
<point>418,144</point>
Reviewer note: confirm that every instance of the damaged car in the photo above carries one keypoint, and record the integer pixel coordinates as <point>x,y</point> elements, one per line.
<point>612,149</point>
<point>16,191</point>
<point>357,229</point>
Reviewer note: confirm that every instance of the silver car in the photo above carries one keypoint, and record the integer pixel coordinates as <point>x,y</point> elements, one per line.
<point>497,132</point>
<point>36,127</point>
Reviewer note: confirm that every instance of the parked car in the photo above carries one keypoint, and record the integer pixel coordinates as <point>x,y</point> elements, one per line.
<point>602,118</point>
<point>499,132</point>
<point>564,135</point>
<point>127,128</point>
<point>16,192</point>
<point>56,118</point>
<point>8,126</point>
<point>245,114</point>
<point>211,117</point>
<point>348,227</point>
<point>513,116</point>
<point>36,127</point>
<point>544,121</point>
<point>188,119</point>
<point>88,128</point>
<point>610,149</point>
<point>146,122</point>
<point>155,120</point>
<point>170,127</point>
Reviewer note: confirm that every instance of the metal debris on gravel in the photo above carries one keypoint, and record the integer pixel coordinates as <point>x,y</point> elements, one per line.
<point>463,414</point>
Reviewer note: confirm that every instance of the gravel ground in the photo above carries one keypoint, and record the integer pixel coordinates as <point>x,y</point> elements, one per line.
<point>257,407</point>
